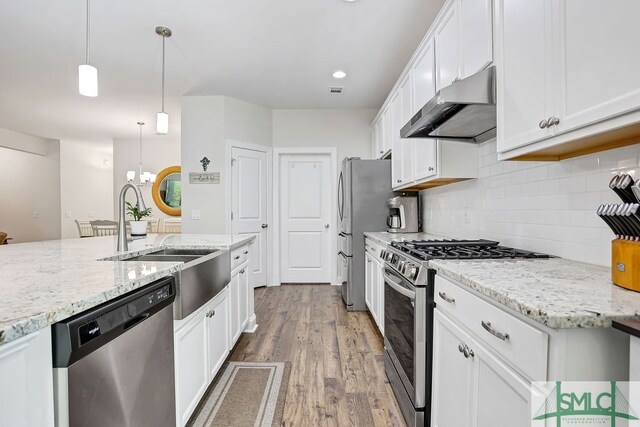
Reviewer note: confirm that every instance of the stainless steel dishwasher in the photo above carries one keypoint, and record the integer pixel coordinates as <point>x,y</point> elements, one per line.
<point>113,364</point>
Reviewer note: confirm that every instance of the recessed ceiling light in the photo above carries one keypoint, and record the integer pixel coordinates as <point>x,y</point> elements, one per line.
<point>339,74</point>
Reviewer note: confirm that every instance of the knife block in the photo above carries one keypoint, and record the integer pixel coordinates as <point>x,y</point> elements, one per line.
<point>625,264</point>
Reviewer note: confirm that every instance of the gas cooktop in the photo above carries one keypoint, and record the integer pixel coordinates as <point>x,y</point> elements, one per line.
<point>461,249</point>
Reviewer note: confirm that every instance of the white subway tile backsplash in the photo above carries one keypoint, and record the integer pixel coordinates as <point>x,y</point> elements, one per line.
<point>541,206</point>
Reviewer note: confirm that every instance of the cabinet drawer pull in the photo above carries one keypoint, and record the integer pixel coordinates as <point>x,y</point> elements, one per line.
<point>236,257</point>
<point>242,271</point>
<point>246,252</point>
<point>487,326</point>
<point>447,298</point>
<point>543,124</point>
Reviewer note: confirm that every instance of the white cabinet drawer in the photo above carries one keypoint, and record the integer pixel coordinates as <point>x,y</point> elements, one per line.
<point>372,248</point>
<point>238,256</point>
<point>519,343</point>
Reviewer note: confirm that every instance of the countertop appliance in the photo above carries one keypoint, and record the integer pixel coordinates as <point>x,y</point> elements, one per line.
<point>408,313</point>
<point>403,214</point>
<point>363,189</point>
<point>113,364</point>
<point>462,111</point>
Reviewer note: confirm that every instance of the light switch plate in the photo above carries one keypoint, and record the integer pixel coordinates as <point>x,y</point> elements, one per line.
<point>195,214</point>
<point>67,214</point>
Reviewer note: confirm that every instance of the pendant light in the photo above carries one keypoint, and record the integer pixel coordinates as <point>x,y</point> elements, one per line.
<point>162,118</point>
<point>87,74</point>
<point>145,177</point>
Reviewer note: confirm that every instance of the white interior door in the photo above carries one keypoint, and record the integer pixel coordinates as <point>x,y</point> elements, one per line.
<point>305,218</point>
<point>249,180</point>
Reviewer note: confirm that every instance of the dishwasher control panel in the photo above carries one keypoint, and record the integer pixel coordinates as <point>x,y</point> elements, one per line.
<point>87,331</point>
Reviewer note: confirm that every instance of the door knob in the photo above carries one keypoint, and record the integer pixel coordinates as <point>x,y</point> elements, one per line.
<point>326,226</point>
<point>265,225</point>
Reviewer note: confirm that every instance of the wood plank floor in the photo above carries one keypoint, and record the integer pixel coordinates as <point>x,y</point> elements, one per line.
<point>337,371</point>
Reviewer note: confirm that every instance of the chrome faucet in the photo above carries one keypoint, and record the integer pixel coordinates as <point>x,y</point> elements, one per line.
<point>122,226</point>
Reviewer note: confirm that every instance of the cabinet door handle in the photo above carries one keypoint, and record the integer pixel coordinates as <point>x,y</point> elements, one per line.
<point>264,226</point>
<point>447,298</point>
<point>236,257</point>
<point>553,121</point>
<point>500,335</point>
<point>398,180</point>
<point>461,347</point>
<point>246,252</point>
<point>543,124</point>
<point>242,271</point>
<point>430,168</point>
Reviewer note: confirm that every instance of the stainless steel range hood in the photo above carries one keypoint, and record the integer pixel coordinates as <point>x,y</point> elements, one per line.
<point>463,111</point>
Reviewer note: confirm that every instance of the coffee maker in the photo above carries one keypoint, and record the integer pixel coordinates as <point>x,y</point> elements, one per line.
<point>403,214</point>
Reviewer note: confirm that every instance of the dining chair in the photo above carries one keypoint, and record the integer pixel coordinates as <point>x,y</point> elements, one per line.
<point>84,228</point>
<point>152,226</point>
<point>104,228</point>
<point>172,225</point>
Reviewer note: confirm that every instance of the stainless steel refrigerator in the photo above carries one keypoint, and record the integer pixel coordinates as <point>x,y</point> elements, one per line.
<point>363,189</point>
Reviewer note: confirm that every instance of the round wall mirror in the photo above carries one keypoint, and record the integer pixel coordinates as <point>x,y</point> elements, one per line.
<point>167,191</point>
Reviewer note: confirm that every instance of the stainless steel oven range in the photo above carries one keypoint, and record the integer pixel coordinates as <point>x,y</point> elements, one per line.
<point>408,313</point>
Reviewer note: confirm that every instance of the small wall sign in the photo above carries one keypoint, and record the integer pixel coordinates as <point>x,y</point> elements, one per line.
<point>204,177</point>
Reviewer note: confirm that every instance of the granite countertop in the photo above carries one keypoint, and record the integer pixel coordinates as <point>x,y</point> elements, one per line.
<point>44,282</point>
<point>555,292</point>
<point>384,237</point>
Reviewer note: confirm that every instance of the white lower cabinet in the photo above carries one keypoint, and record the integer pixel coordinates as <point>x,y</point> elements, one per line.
<point>201,346</point>
<point>217,315</point>
<point>486,358</point>
<point>472,387</point>
<point>239,301</point>
<point>374,284</point>
<point>26,387</point>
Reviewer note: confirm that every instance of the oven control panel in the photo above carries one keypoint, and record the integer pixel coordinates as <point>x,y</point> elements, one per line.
<point>403,265</point>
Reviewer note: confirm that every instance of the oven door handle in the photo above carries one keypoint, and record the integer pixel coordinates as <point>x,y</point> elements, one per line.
<point>398,287</point>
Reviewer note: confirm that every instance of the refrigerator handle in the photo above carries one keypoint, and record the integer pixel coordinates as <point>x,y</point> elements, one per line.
<point>341,196</point>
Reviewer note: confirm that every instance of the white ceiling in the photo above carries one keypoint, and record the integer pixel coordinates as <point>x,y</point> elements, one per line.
<point>275,53</point>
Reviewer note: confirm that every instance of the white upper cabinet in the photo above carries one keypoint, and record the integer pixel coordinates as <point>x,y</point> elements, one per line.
<point>598,73</point>
<point>423,88</point>
<point>447,48</point>
<point>476,35</point>
<point>406,112</point>
<point>565,76</point>
<point>423,83</point>
<point>523,57</point>
<point>397,147</point>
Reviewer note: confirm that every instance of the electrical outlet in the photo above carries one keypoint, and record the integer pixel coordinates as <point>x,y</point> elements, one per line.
<point>195,214</point>
<point>67,214</point>
<point>35,214</point>
<point>91,214</point>
<point>467,215</point>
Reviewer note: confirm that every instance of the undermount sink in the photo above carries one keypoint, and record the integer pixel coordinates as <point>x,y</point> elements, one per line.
<point>206,272</point>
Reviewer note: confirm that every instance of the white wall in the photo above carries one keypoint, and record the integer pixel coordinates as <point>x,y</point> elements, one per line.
<point>207,123</point>
<point>86,184</point>
<point>30,187</point>
<point>541,206</point>
<point>348,130</point>
<point>157,153</point>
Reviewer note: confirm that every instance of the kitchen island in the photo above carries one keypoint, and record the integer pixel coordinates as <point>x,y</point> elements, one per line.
<point>45,282</point>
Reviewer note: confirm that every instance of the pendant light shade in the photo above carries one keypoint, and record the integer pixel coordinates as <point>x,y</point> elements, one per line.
<point>162,123</point>
<point>88,80</point>
<point>162,118</point>
<point>87,74</point>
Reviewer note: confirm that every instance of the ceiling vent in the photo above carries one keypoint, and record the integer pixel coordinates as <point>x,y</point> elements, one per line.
<point>335,90</point>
